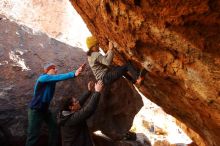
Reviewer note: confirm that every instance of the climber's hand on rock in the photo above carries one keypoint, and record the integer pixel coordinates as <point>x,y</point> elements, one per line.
<point>110,45</point>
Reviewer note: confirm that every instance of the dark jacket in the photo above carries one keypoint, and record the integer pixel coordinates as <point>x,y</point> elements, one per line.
<point>74,129</point>
<point>44,90</point>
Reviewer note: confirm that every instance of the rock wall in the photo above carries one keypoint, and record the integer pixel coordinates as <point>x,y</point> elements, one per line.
<point>178,43</point>
<point>22,55</point>
<point>194,136</point>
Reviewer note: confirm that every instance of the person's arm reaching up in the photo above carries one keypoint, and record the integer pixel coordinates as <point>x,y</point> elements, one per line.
<point>56,78</point>
<point>80,69</point>
<point>107,59</point>
<point>89,109</point>
<point>61,77</point>
<point>82,99</point>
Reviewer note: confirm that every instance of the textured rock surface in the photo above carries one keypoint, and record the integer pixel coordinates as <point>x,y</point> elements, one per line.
<point>22,55</point>
<point>178,42</point>
<point>194,136</point>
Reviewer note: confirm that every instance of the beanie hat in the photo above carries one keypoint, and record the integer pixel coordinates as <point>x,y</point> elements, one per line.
<point>91,41</point>
<point>48,66</point>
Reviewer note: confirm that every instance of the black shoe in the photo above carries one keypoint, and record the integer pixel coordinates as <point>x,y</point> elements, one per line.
<point>140,79</point>
<point>143,72</point>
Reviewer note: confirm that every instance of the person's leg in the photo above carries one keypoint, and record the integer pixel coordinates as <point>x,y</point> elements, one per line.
<point>50,120</point>
<point>120,71</point>
<point>129,77</point>
<point>136,77</point>
<point>114,74</point>
<point>134,73</point>
<point>34,125</point>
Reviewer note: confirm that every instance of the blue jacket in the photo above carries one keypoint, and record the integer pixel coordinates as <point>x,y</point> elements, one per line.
<point>44,90</point>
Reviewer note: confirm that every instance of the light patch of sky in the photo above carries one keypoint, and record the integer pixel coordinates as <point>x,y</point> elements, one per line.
<point>77,32</point>
<point>60,21</point>
<point>153,114</point>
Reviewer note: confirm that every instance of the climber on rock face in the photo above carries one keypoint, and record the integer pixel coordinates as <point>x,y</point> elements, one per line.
<point>38,111</point>
<point>73,116</point>
<point>100,65</point>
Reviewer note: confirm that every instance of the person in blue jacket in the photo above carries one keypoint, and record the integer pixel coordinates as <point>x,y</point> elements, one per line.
<point>38,111</point>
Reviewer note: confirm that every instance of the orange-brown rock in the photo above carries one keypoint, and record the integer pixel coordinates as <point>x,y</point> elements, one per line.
<point>178,43</point>
<point>162,143</point>
<point>193,134</point>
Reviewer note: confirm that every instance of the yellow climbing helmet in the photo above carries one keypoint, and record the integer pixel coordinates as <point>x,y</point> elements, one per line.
<point>91,41</point>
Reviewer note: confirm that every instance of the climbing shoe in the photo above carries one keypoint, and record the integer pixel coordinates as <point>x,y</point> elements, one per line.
<point>140,79</point>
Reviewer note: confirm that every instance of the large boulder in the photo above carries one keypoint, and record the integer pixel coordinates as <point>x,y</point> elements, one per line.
<point>22,54</point>
<point>178,43</point>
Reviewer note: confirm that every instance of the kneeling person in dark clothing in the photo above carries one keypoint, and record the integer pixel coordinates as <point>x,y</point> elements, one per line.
<point>73,116</point>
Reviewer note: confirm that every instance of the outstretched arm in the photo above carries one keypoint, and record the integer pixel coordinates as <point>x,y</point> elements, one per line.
<point>86,111</point>
<point>56,78</point>
<point>82,99</point>
<point>89,109</point>
<point>61,77</point>
<point>107,59</point>
<point>80,69</point>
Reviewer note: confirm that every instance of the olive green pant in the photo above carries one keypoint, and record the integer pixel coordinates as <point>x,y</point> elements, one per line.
<point>35,121</point>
